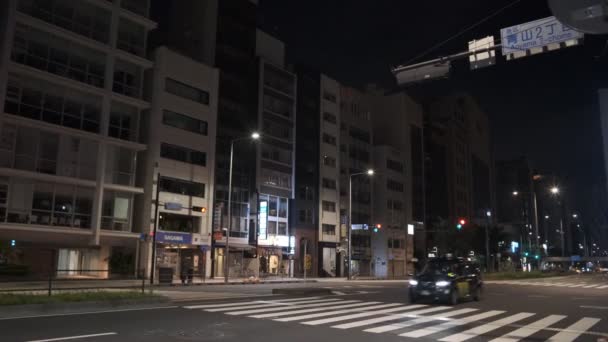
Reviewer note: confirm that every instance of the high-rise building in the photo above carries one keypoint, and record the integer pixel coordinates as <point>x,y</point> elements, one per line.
<point>180,133</point>
<point>316,207</point>
<point>356,148</point>
<point>71,85</point>
<point>257,93</point>
<point>458,169</point>
<point>398,182</point>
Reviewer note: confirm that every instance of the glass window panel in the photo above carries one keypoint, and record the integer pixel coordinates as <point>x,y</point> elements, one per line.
<point>272,206</point>
<point>43,197</point>
<point>121,207</point>
<point>283,207</point>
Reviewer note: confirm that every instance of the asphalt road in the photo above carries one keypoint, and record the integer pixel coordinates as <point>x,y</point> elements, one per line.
<point>557,309</point>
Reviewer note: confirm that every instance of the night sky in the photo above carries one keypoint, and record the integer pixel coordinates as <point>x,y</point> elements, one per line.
<point>544,106</point>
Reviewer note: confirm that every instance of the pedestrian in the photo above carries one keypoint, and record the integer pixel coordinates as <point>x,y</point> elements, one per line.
<point>183,274</point>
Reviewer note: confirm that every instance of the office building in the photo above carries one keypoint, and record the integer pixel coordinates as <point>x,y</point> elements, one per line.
<point>398,183</point>
<point>458,169</point>
<point>72,92</point>
<point>316,207</point>
<point>180,133</point>
<point>356,150</point>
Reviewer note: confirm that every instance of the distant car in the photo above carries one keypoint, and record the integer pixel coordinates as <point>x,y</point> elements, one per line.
<point>447,280</point>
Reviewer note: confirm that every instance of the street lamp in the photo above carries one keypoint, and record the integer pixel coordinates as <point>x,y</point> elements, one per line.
<point>369,172</point>
<point>254,136</point>
<point>574,215</point>
<point>554,190</point>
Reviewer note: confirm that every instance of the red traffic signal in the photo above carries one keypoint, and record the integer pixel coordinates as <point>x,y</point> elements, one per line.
<point>462,221</point>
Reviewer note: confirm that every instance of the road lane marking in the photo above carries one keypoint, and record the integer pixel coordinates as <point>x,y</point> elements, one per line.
<point>338,293</point>
<point>88,312</point>
<point>421,320</point>
<point>449,325</point>
<point>324,314</point>
<point>271,304</point>
<point>603,287</point>
<point>389,318</point>
<point>594,307</point>
<point>529,329</point>
<point>537,296</point>
<point>590,286</point>
<point>575,330</point>
<point>293,312</point>
<point>74,337</point>
<point>482,329</point>
<point>363,314</point>
<point>281,308</point>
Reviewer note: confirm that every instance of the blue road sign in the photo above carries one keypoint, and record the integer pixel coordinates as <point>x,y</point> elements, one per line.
<point>173,206</point>
<point>536,34</point>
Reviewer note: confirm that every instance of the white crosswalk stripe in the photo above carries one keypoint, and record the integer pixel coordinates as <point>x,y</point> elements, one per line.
<point>603,287</point>
<point>529,329</point>
<point>452,324</point>
<point>335,307</point>
<point>206,306</point>
<point>446,323</point>
<point>575,330</point>
<point>584,285</point>
<point>267,305</point>
<point>482,329</point>
<point>290,307</point>
<point>363,314</point>
<point>388,318</point>
<point>331,313</point>
<point>421,320</point>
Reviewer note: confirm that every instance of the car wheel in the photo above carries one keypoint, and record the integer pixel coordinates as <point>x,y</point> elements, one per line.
<point>477,294</point>
<point>453,299</point>
<point>413,298</point>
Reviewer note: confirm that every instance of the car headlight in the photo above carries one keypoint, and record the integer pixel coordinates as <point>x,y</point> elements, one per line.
<point>442,283</point>
<point>413,282</point>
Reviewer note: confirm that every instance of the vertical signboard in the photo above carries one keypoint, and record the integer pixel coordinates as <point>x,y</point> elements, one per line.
<point>263,220</point>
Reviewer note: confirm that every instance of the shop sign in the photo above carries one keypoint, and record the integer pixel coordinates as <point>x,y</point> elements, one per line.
<point>263,220</point>
<point>174,237</point>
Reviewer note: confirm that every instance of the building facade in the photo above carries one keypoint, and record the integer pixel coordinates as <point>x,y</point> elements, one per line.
<point>356,148</point>
<point>72,95</point>
<point>180,133</point>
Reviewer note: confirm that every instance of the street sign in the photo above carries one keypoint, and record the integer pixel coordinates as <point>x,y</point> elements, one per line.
<point>173,206</point>
<point>536,37</point>
<point>484,58</point>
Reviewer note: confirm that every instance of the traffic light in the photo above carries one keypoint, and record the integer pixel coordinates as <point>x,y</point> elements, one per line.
<point>377,227</point>
<point>461,223</point>
<point>537,257</point>
<point>200,209</point>
<point>526,253</point>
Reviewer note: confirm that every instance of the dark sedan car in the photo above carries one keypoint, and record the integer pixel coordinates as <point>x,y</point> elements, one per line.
<point>447,280</point>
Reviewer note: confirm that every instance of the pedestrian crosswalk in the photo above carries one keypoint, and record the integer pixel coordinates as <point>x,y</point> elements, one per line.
<point>570,284</point>
<point>413,321</point>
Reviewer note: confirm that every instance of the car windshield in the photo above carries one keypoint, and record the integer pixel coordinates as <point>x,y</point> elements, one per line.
<point>438,267</point>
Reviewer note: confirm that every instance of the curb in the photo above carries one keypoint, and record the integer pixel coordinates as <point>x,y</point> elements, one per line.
<point>16,311</point>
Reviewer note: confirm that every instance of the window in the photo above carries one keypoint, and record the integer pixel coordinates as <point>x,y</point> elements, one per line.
<point>66,108</point>
<point>127,79</point>
<point>123,122</point>
<point>282,228</point>
<point>183,154</point>
<point>177,223</point>
<point>329,229</point>
<point>131,37</point>
<point>283,207</point>
<point>394,205</point>
<point>329,206</point>
<point>329,97</point>
<point>272,206</point>
<point>394,165</point>
<point>329,183</point>
<point>329,161</point>
<point>183,187</point>
<point>330,118</point>
<point>305,193</point>
<point>396,243</point>
<point>184,122</point>
<point>394,186</point>
<point>188,92</point>
<point>116,211</point>
<point>329,139</point>
<point>360,134</point>
<point>120,165</point>
<point>305,215</point>
<point>272,228</point>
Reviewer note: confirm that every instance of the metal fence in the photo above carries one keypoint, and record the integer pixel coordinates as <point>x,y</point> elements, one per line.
<point>72,280</point>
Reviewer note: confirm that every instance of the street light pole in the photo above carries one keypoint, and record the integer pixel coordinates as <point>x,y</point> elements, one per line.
<point>536,229</point>
<point>254,136</point>
<point>369,172</point>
